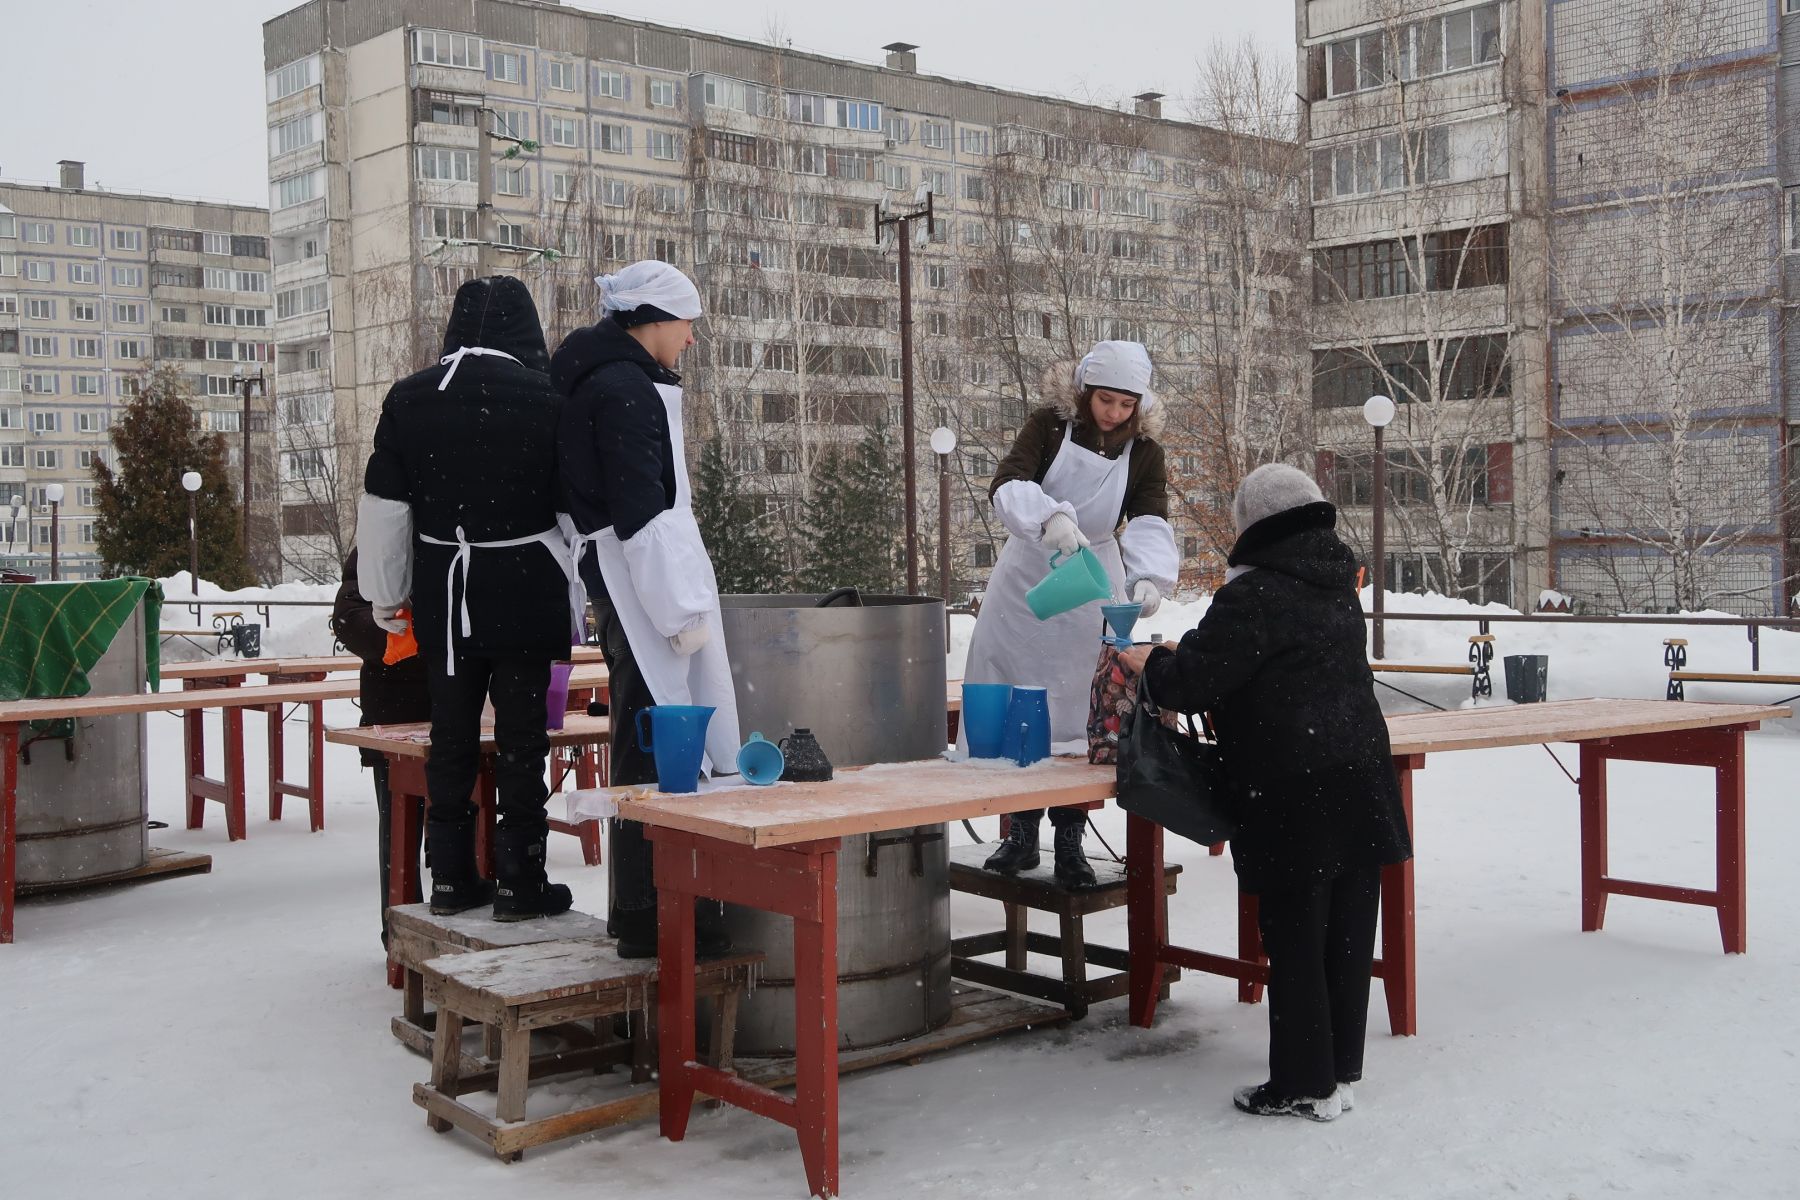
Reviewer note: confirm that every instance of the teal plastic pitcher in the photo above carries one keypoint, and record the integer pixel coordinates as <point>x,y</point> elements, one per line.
<point>1078,579</point>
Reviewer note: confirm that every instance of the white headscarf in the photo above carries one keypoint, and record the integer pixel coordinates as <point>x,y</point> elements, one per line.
<point>1121,366</point>
<point>650,282</point>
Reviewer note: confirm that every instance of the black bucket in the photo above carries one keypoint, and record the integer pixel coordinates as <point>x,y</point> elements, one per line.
<point>1527,678</point>
<point>247,640</point>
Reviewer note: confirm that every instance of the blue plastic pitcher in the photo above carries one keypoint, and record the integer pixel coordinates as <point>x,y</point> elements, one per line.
<point>675,734</point>
<point>760,761</point>
<point>984,717</point>
<point>1074,580</point>
<point>1027,726</point>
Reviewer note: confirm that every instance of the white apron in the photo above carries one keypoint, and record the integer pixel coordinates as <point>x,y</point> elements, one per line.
<point>1010,645</point>
<point>666,573</point>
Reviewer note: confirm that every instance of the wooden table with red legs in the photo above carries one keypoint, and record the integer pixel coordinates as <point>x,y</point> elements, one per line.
<point>1656,731</point>
<point>776,849</point>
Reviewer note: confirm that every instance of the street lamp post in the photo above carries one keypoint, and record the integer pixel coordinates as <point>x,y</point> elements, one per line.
<point>1378,411</point>
<point>245,383</point>
<point>12,528</point>
<point>190,482</point>
<point>902,224</point>
<point>943,442</point>
<point>54,494</point>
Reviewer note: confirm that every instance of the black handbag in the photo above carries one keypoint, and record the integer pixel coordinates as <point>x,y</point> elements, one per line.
<point>1172,777</point>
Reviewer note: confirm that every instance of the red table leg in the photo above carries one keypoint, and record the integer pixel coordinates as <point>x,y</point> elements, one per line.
<point>9,825</point>
<point>234,774</point>
<point>1250,948</point>
<point>486,801</point>
<point>1734,928</point>
<point>193,742</point>
<point>1398,966</point>
<point>315,764</point>
<point>799,881</point>
<point>1592,790</point>
<point>1147,916</point>
<point>406,782</point>
<point>277,753</point>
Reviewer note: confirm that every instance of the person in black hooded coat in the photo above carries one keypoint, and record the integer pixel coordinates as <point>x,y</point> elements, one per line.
<point>1279,663</point>
<point>460,513</point>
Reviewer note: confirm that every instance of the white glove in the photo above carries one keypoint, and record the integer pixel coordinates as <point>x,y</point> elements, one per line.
<point>1145,593</point>
<point>1062,535</point>
<point>690,640</point>
<point>388,617</point>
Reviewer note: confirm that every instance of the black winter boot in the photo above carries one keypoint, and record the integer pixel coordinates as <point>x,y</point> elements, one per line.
<point>524,891</point>
<point>1019,852</point>
<point>636,931</point>
<point>1072,870</point>
<point>456,884</point>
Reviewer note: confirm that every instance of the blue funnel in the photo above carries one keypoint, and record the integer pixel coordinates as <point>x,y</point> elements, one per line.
<point>1120,618</point>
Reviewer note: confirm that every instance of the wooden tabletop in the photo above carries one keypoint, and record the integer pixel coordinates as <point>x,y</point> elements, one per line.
<point>414,740</point>
<point>872,799</point>
<point>895,796</point>
<point>216,668</point>
<point>1563,721</point>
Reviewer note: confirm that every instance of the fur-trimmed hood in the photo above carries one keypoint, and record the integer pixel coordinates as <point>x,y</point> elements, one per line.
<point>1058,390</point>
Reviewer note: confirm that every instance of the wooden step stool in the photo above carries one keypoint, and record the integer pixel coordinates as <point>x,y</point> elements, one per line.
<point>521,988</point>
<point>415,937</point>
<point>1038,889</point>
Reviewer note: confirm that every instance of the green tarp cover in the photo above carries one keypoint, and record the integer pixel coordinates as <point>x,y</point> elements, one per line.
<point>52,634</point>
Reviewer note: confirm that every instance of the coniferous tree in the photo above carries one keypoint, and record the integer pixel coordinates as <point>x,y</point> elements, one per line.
<point>141,523</point>
<point>852,527</point>
<point>745,559</point>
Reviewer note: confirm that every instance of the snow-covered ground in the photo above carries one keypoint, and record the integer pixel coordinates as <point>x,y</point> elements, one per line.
<point>227,1035</point>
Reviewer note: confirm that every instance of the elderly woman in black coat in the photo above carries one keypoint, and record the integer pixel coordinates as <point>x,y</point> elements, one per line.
<point>1279,663</point>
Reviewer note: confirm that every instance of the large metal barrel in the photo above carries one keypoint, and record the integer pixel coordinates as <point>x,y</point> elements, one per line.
<point>82,803</point>
<point>868,680</point>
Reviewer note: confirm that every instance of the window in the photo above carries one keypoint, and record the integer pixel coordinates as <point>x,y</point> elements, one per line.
<point>561,76</point>
<point>511,181</point>
<point>131,277</point>
<point>84,385</point>
<point>450,223</point>
<point>250,318</point>
<point>562,131</point>
<point>729,93</point>
<point>128,349</point>
<point>127,313</point>
<point>666,198</point>
<point>9,341</point>
<point>221,351</point>
<point>446,166</point>
<point>934,135</point>
<point>294,77</point>
<point>1381,164</point>
<point>46,460</point>
<point>9,225</point>
<point>297,302</point>
<point>1469,368</point>
<point>897,176</point>
<point>127,239</point>
<point>39,271</point>
<point>1793,214</point>
<point>80,272</point>
<point>40,347</point>
<point>609,83</point>
<point>38,309</point>
<point>1454,259</point>
<point>564,186</point>
<point>615,193</point>
<point>84,347</point>
<point>84,460</point>
<point>315,358</point>
<point>308,409</point>
<point>39,383</point>
<point>857,114</point>
<point>12,456</point>
<point>662,93</point>
<point>975,141</point>
<point>937,181</point>
<point>245,281</point>
<point>174,314</point>
<point>614,139</point>
<point>663,145</point>
<point>218,314</point>
<point>129,385</point>
<point>39,233</point>
<point>215,243</point>
<point>615,246</point>
<point>296,133</point>
<point>225,421</point>
<point>506,68</point>
<point>10,418</point>
<point>511,123</point>
<point>296,189</point>
<point>84,235</point>
<point>46,422</point>
<point>9,265</point>
<point>1450,42</point>
<point>981,555</point>
<point>85,496</point>
<point>974,187</point>
<point>304,464</point>
<point>508,234</point>
<point>937,276</point>
<point>810,160</point>
<point>666,250</point>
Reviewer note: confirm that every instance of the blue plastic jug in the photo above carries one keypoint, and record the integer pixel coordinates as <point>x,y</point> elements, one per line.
<point>1027,726</point>
<point>984,717</point>
<point>675,734</point>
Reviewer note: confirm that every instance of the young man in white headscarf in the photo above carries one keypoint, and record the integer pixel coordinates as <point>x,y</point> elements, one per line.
<point>623,467</point>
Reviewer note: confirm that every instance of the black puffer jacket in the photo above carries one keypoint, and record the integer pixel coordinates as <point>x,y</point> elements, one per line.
<point>481,456</point>
<point>1279,662</point>
<point>615,457</point>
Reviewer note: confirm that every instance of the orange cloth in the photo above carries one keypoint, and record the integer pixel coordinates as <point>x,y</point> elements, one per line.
<point>401,646</point>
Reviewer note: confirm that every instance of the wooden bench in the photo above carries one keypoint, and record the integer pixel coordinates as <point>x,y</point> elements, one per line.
<point>1038,889</point>
<point>519,989</point>
<point>1481,658</point>
<point>415,937</point>
<point>1675,658</point>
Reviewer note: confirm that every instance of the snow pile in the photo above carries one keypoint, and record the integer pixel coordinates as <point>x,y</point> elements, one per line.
<point>288,632</point>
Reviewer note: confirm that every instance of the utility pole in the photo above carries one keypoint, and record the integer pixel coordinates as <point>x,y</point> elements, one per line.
<point>245,382</point>
<point>901,222</point>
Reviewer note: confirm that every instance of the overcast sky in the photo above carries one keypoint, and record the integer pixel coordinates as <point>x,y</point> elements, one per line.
<point>167,96</point>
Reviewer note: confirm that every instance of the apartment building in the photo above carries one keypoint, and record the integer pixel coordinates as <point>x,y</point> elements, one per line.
<point>1423,124</point>
<point>96,287</point>
<point>417,144</point>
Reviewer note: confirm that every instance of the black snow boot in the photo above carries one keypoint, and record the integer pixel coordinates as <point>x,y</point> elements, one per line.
<point>636,931</point>
<point>524,891</point>
<point>1019,852</point>
<point>1072,870</point>
<point>456,884</point>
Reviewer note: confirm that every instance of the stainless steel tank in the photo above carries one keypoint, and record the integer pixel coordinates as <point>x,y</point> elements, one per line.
<point>83,818</point>
<point>868,680</point>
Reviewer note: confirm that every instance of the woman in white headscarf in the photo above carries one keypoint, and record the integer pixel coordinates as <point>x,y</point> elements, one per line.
<point>623,465</point>
<point>1082,466</point>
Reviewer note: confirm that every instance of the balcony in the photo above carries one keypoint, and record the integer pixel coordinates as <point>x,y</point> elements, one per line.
<point>298,216</point>
<point>295,161</point>
<point>436,133</point>
<point>303,328</point>
<point>299,383</point>
<point>305,100</point>
<point>301,271</point>
<point>467,80</point>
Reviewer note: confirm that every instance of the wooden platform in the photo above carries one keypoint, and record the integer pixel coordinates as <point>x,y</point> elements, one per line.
<point>976,1014</point>
<point>160,864</point>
